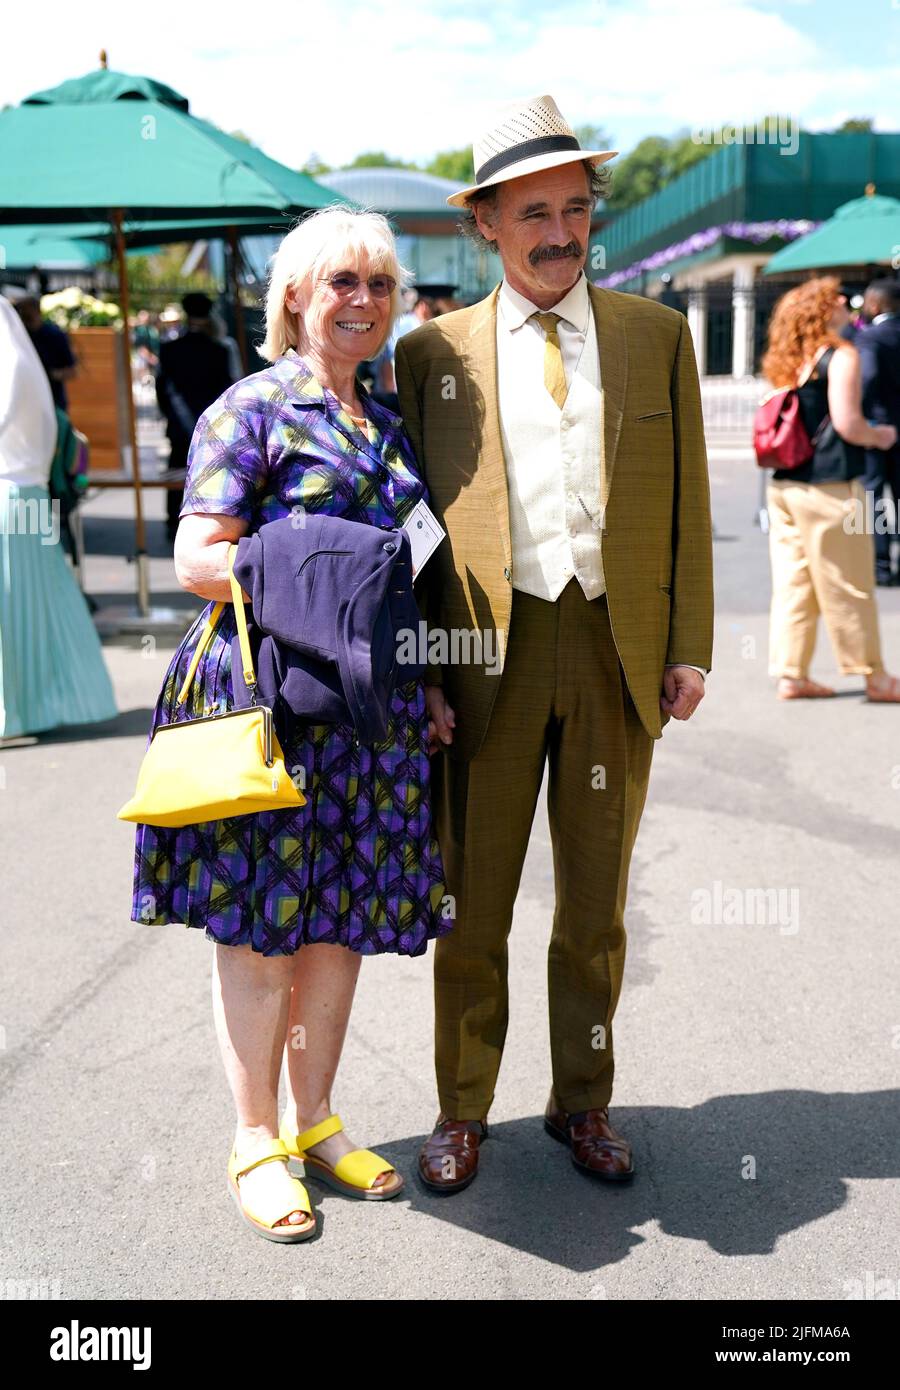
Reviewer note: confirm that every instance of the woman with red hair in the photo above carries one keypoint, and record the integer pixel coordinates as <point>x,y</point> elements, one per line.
<point>822,560</point>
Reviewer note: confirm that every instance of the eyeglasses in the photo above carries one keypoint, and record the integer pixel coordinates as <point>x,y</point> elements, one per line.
<point>345,283</point>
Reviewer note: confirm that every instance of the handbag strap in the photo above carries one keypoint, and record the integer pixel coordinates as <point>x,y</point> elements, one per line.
<point>825,355</point>
<point>808,370</point>
<point>209,627</point>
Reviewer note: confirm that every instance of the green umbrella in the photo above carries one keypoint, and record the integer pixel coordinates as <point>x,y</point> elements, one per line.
<point>117,148</point>
<point>57,247</point>
<point>865,231</point>
<point>81,245</point>
<point>108,140</point>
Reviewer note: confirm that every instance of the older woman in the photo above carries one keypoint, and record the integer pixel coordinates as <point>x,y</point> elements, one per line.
<point>294,899</point>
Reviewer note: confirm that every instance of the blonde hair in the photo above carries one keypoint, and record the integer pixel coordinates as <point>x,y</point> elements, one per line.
<point>334,238</point>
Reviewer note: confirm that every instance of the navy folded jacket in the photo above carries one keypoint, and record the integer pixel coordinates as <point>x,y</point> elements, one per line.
<point>329,597</point>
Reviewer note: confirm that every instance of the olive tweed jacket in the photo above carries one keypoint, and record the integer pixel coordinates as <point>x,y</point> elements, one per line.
<point>657,536</point>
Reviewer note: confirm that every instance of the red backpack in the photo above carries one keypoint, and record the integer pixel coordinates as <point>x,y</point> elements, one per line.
<point>779,434</point>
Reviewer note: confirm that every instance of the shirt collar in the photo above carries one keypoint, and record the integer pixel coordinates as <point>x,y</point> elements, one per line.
<point>299,381</point>
<point>297,377</point>
<point>882,318</point>
<point>574,307</point>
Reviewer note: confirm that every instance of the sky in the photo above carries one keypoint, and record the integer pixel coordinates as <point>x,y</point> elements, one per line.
<point>335,77</point>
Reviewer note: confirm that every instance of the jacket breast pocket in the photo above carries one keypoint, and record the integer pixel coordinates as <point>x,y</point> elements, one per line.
<point>653,414</point>
<point>319,582</point>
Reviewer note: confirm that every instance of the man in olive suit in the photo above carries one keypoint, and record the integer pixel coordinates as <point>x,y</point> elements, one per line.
<point>560,432</point>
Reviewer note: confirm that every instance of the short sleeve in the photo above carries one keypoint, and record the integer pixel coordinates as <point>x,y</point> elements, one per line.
<point>226,466</point>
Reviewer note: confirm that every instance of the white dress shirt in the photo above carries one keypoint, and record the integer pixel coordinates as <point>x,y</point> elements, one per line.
<point>553,456</point>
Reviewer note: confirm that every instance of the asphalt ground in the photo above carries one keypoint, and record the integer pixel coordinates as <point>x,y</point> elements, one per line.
<point>757,1061</point>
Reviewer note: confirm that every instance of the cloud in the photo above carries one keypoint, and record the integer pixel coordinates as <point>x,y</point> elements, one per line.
<point>414,76</point>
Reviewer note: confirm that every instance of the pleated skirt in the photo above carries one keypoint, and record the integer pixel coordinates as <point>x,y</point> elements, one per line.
<point>52,670</point>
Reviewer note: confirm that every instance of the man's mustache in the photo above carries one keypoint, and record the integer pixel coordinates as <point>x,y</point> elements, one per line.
<point>556,253</point>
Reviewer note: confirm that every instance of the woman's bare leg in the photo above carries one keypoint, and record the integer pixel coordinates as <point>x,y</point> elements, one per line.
<point>324,984</point>
<point>251,1003</point>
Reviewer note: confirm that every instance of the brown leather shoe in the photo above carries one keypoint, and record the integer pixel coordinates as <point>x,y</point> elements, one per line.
<point>596,1147</point>
<point>448,1160</point>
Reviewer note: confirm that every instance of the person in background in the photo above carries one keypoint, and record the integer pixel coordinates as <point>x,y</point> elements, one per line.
<point>194,370</point>
<point>424,309</point>
<point>52,346</point>
<point>220,332</point>
<point>820,563</point>
<point>169,323</point>
<point>51,664</point>
<point>879,351</point>
<point>446,303</point>
<point>145,337</point>
<point>847,295</point>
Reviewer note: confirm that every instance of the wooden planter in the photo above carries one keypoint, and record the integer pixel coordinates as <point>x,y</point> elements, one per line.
<point>97,400</point>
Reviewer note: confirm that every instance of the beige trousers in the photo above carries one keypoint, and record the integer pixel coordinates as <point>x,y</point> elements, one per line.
<point>820,567</point>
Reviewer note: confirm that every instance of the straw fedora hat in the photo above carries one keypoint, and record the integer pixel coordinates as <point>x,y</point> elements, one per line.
<point>527,136</point>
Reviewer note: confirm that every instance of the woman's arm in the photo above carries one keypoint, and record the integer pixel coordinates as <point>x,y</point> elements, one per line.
<point>845,403</point>
<point>201,553</point>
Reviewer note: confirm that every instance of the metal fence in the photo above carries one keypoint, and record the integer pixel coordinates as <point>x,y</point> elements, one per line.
<point>720,303</point>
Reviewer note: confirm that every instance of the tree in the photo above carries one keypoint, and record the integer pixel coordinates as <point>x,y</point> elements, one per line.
<point>644,171</point>
<point>592,137</point>
<point>315,166</point>
<point>855,124</point>
<point>453,164</point>
<point>377,159</point>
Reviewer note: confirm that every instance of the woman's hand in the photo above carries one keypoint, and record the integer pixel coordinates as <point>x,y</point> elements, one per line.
<point>441,719</point>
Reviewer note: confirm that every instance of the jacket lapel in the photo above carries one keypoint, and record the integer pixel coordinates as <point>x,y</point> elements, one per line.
<point>613,347</point>
<point>480,354</point>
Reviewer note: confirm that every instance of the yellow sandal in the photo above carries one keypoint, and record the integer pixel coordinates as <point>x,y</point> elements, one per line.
<point>353,1174</point>
<point>268,1210</point>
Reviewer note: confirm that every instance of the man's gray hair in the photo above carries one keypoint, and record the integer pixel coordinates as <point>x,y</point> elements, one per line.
<point>599,180</point>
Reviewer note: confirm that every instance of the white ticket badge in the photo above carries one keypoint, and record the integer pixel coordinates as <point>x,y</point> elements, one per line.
<point>425,535</point>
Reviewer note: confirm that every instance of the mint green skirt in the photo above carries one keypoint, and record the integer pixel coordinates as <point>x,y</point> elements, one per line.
<point>52,670</point>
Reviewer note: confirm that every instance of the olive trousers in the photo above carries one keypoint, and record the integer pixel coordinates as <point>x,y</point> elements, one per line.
<point>562,702</point>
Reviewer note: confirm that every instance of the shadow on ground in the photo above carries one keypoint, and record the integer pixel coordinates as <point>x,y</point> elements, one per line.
<point>126,724</point>
<point>689,1164</point>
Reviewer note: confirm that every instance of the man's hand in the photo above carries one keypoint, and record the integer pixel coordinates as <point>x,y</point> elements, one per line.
<point>441,719</point>
<point>683,689</point>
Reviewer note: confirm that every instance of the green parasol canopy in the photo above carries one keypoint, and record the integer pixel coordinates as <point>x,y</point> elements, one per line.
<point>106,85</point>
<point>109,140</point>
<point>865,231</point>
<point>64,246</point>
<point>89,242</point>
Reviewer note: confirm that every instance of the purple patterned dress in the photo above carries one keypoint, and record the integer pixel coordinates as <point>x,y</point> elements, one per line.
<point>359,864</point>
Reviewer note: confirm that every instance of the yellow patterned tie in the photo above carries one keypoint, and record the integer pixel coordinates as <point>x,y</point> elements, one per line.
<point>554,372</point>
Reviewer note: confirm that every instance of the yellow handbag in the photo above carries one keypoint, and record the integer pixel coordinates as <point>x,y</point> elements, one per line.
<point>219,765</point>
